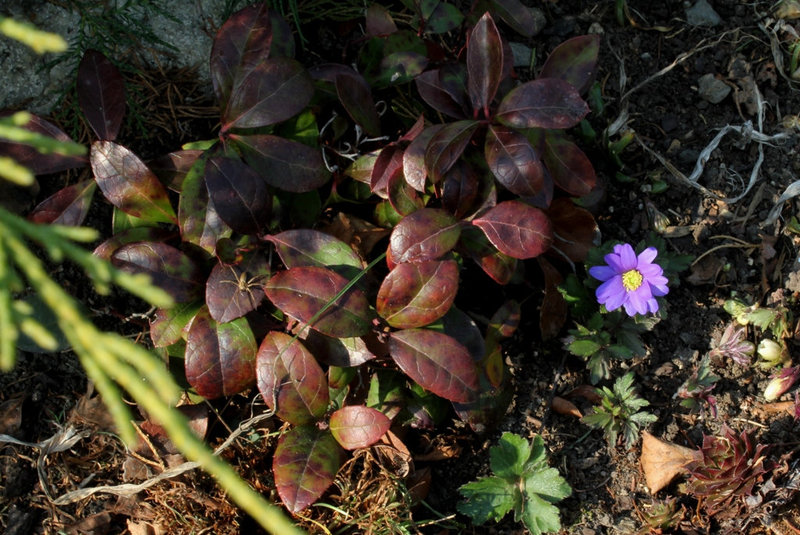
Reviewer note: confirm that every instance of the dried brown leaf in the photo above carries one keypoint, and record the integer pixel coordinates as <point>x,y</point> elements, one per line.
<point>662,461</point>
<point>564,406</point>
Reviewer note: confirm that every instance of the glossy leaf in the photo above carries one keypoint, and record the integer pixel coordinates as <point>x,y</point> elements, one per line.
<point>517,15</point>
<point>67,206</point>
<point>574,229</point>
<point>569,166</point>
<point>168,325</point>
<point>517,229</point>
<point>198,220</point>
<point>168,268</point>
<point>416,294</point>
<point>132,235</point>
<point>307,247</point>
<point>435,93</point>
<point>172,168</point>
<point>101,94</point>
<point>426,234</point>
<point>542,103</point>
<point>414,158</point>
<point>289,376</point>
<point>447,146</point>
<point>282,163</point>
<point>341,352</point>
<point>514,161</point>
<point>242,42</point>
<point>220,357</point>
<point>403,198</point>
<point>484,63</point>
<point>38,163</point>
<point>436,362</point>
<point>273,91</point>
<point>500,267</point>
<point>356,98</point>
<point>128,184</point>
<point>389,161</point>
<point>304,465</point>
<point>574,61</point>
<point>234,290</point>
<point>357,426</point>
<point>239,194</point>
<point>301,292</point>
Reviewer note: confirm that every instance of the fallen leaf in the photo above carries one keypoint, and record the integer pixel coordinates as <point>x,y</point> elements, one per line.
<point>96,524</point>
<point>662,461</point>
<point>566,407</point>
<point>11,415</point>
<point>705,271</point>
<point>588,392</point>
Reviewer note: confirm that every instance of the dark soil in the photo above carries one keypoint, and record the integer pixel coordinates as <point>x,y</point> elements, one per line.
<point>757,262</point>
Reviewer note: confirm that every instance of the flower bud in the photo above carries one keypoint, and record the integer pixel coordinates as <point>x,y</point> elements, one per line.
<point>771,352</point>
<point>781,383</point>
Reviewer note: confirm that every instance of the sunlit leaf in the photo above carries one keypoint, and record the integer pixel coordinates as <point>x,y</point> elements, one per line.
<point>517,229</point>
<point>168,325</point>
<point>484,63</point>
<point>67,206</point>
<point>575,61</point>
<point>514,161</point>
<point>233,290</point>
<point>542,103</point>
<point>447,146</point>
<point>168,268</point>
<point>416,294</point>
<point>38,163</point>
<point>357,426</point>
<point>426,234</point>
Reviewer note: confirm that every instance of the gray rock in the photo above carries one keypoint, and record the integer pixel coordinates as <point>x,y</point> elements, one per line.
<point>522,54</point>
<point>702,14</point>
<point>710,88</point>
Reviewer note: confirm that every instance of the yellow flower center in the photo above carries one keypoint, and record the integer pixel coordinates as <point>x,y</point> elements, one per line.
<point>631,280</point>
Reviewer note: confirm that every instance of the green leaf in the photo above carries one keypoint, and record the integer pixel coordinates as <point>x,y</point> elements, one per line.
<point>583,348</point>
<point>488,498</point>
<point>547,483</point>
<point>539,516</point>
<point>509,457</point>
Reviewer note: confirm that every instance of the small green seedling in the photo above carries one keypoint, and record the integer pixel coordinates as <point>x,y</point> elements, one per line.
<point>522,481</point>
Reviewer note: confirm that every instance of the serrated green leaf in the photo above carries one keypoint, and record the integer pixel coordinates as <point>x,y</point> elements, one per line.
<point>761,317</point>
<point>539,516</point>
<point>547,483</point>
<point>620,351</point>
<point>643,418</point>
<point>583,348</point>
<point>509,457</point>
<point>488,498</point>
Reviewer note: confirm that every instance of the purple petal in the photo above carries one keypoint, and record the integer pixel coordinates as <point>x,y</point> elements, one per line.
<point>615,262</point>
<point>638,301</point>
<point>647,256</point>
<point>649,270</point>
<point>602,273</point>
<point>658,290</point>
<point>627,258</point>
<point>611,293</point>
<point>652,305</point>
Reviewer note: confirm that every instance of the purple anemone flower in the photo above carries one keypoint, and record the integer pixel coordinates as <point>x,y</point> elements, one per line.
<point>630,281</point>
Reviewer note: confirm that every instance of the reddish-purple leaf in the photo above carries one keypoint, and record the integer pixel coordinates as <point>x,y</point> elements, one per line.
<point>128,184</point>
<point>403,198</point>
<point>414,158</point>
<point>304,465</point>
<point>233,290</point>
<point>484,63</point>
<point>67,206</point>
<point>341,352</point>
<point>282,163</point>
<point>465,191</point>
<point>447,146</point>
<point>426,234</point>
<point>273,91</point>
<point>514,161</point>
<point>198,219</point>
<point>172,168</point>
<point>569,166</point>
<point>220,357</point>
<point>388,162</point>
<point>241,43</point>
<point>168,268</point>
<point>307,247</point>
<point>38,163</point>
<point>417,294</point>
<point>458,325</point>
<point>101,94</point>
<point>575,61</point>
<point>554,309</point>
<point>168,325</point>
<point>302,292</point>
<point>436,361</point>
<point>574,229</point>
<point>356,98</point>
<point>438,95</point>
<point>239,194</point>
<point>517,229</point>
<point>379,21</point>
<point>357,426</point>
<point>289,376</point>
<point>500,267</point>
<point>542,103</point>
<point>517,15</point>
<point>131,235</point>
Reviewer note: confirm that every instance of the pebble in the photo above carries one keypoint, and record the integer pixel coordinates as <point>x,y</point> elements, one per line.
<point>702,14</point>
<point>712,89</point>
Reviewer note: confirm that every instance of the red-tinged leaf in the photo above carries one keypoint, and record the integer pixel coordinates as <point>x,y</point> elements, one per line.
<point>500,267</point>
<point>357,426</point>
<point>447,146</point>
<point>101,94</point>
<point>198,219</point>
<point>514,161</point>
<point>379,21</point>
<point>128,184</point>
<point>285,164</point>
<point>306,247</point>
<point>38,163</point>
<point>494,366</point>
<point>239,194</point>
<point>168,268</point>
<point>554,309</point>
<point>569,166</point>
<point>67,206</point>
<point>220,357</point>
<point>234,290</point>
<point>341,352</point>
<point>574,229</point>
<point>436,361</point>
<point>131,235</point>
<point>302,292</point>
<point>171,169</point>
<point>403,198</point>
<point>356,98</point>
<point>517,229</point>
<point>542,103</point>
<point>435,94</point>
<point>288,375</point>
<point>273,91</point>
<point>388,162</point>
<point>426,234</point>
<point>484,63</point>
<point>461,189</point>
<point>168,325</point>
<point>304,465</point>
<point>241,43</point>
<point>414,158</point>
<point>459,326</point>
<point>504,321</point>
<point>417,294</point>
<point>517,15</point>
<point>574,61</point>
